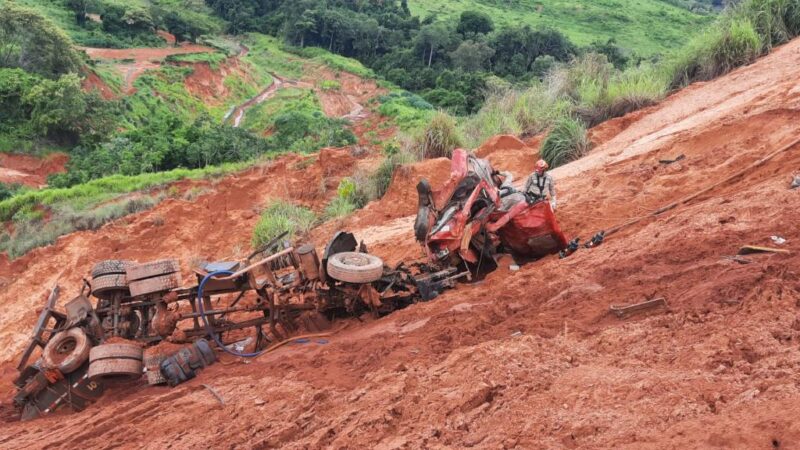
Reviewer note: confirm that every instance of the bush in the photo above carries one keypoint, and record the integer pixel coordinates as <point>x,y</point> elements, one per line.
<point>31,42</point>
<point>439,137</point>
<point>279,217</point>
<point>566,142</point>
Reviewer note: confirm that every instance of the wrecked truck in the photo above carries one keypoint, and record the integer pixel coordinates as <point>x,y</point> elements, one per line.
<point>478,213</point>
<point>126,307</point>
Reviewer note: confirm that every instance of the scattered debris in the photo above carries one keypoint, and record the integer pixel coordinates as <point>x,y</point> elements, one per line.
<point>778,240</point>
<point>572,247</point>
<point>259,402</point>
<point>183,365</point>
<point>597,239</point>
<point>749,249</point>
<point>738,259</point>
<point>516,333</point>
<point>626,310</point>
<point>214,393</point>
<point>795,182</point>
<point>670,161</point>
<point>513,267</point>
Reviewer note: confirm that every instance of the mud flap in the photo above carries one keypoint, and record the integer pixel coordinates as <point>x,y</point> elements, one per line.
<point>422,222</point>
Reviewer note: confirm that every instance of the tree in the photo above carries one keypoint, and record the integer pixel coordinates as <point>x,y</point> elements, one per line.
<point>33,43</point>
<point>475,22</point>
<point>432,39</point>
<point>472,56</point>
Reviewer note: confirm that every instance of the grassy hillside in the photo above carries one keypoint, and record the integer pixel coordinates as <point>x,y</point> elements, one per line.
<point>644,26</point>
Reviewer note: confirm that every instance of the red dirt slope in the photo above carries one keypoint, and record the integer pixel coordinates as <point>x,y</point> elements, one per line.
<point>525,359</point>
<point>30,170</point>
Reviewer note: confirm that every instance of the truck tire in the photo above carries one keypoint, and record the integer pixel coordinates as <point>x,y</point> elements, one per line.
<point>119,360</point>
<point>353,267</point>
<point>107,285</point>
<point>66,351</point>
<point>125,369</point>
<point>154,285</point>
<point>111,267</point>
<point>152,269</point>
<point>116,351</point>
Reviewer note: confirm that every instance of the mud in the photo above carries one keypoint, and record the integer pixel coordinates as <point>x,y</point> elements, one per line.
<point>523,359</point>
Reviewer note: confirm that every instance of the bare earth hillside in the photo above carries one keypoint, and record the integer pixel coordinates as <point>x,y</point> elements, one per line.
<point>525,359</point>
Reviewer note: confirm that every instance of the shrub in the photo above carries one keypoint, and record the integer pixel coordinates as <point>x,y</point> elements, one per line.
<point>345,201</point>
<point>566,142</point>
<point>279,217</point>
<point>438,138</point>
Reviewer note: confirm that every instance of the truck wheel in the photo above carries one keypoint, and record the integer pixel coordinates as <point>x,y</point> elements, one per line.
<point>152,269</point>
<point>154,285</point>
<point>106,286</point>
<point>111,267</point>
<point>66,351</point>
<point>116,351</point>
<point>120,360</point>
<point>352,267</point>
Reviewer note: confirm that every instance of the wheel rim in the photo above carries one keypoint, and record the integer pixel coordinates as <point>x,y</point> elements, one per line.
<point>354,260</point>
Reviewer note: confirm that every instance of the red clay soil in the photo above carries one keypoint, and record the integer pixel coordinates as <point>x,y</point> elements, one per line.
<point>523,359</point>
<point>145,53</point>
<point>30,170</point>
<point>93,82</point>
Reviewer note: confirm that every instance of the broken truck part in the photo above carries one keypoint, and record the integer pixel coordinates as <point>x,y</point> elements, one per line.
<point>277,293</point>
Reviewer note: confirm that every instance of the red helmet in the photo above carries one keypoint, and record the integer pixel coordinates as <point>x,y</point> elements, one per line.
<point>541,166</point>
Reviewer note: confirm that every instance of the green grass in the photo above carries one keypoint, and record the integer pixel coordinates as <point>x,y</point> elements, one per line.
<point>279,217</point>
<point>261,117</point>
<point>266,55</point>
<point>109,74</point>
<point>334,61</point>
<point>567,141</point>
<point>31,231</point>
<point>647,27</point>
<point>81,195</point>
<point>409,111</point>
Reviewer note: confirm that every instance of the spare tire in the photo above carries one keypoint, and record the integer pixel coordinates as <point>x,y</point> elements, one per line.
<point>66,351</point>
<point>111,267</point>
<point>354,267</point>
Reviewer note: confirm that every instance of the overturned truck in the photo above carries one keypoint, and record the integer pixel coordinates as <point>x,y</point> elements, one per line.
<point>277,293</point>
<point>477,213</point>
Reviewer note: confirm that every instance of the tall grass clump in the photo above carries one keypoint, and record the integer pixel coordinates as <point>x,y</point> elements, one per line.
<point>438,138</point>
<point>743,32</point>
<point>279,217</point>
<point>345,201</point>
<point>566,142</point>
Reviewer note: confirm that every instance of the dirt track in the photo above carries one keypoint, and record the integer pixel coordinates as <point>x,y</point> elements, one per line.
<point>718,369</point>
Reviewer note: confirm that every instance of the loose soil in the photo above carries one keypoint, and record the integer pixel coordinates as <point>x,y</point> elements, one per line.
<point>30,170</point>
<point>523,359</point>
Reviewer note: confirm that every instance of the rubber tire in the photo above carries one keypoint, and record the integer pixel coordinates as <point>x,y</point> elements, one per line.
<point>111,267</point>
<point>152,269</point>
<point>107,285</point>
<point>156,284</point>
<point>116,351</point>
<point>75,358</point>
<point>121,368</point>
<point>354,267</point>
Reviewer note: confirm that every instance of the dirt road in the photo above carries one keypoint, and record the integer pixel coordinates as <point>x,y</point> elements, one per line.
<point>525,359</point>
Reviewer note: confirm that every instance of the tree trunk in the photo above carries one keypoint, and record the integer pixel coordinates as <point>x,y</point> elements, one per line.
<point>430,57</point>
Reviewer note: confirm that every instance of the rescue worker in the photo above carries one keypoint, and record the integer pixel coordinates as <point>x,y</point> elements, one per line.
<point>540,184</point>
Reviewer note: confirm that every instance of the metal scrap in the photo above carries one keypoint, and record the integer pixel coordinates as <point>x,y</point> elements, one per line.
<point>626,310</point>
